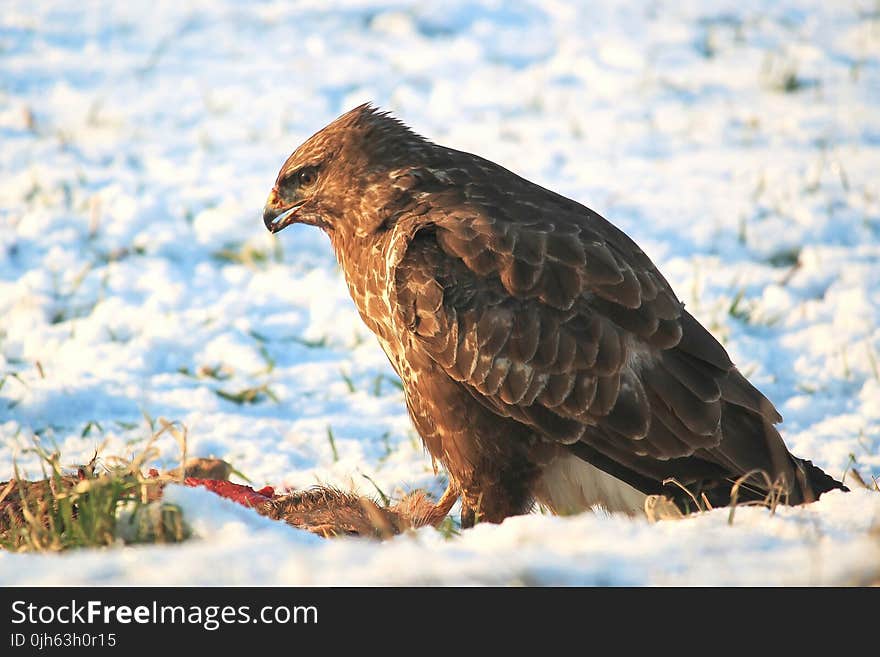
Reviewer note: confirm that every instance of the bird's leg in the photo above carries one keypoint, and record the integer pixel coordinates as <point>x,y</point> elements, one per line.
<point>496,492</point>
<point>470,513</point>
<point>468,517</point>
<point>471,510</point>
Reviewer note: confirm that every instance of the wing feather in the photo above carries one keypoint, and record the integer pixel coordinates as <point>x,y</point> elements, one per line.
<point>564,324</point>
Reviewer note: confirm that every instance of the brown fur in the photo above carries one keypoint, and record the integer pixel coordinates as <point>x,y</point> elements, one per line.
<point>321,510</point>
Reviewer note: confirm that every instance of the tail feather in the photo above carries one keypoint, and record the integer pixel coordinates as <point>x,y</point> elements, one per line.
<point>751,443</point>
<point>813,481</point>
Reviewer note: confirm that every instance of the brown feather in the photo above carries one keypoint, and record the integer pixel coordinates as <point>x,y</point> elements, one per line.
<point>522,321</point>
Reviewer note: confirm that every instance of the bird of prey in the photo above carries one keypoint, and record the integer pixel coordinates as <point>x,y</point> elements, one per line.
<point>543,356</point>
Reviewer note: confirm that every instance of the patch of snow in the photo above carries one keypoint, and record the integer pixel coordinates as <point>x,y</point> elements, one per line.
<point>732,141</point>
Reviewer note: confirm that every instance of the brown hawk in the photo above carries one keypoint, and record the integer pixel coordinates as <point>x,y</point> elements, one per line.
<point>543,355</point>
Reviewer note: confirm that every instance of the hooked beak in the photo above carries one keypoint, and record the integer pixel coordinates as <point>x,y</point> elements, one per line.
<point>275,216</point>
<point>276,220</point>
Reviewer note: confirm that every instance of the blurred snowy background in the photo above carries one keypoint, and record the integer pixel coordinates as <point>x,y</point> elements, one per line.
<point>738,142</point>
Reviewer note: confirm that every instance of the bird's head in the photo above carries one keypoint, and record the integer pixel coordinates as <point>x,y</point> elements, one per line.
<point>342,177</point>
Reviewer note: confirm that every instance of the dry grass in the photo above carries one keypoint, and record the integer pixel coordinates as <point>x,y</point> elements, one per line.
<point>776,493</point>
<point>103,503</point>
<point>112,502</point>
<point>659,507</point>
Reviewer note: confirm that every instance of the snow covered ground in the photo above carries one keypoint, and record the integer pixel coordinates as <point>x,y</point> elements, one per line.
<point>738,142</point>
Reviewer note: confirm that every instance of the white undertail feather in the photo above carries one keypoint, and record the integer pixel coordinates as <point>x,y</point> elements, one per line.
<point>570,485</point>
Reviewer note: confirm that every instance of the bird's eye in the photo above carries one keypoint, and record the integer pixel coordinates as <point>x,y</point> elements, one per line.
<point>307,176</point>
